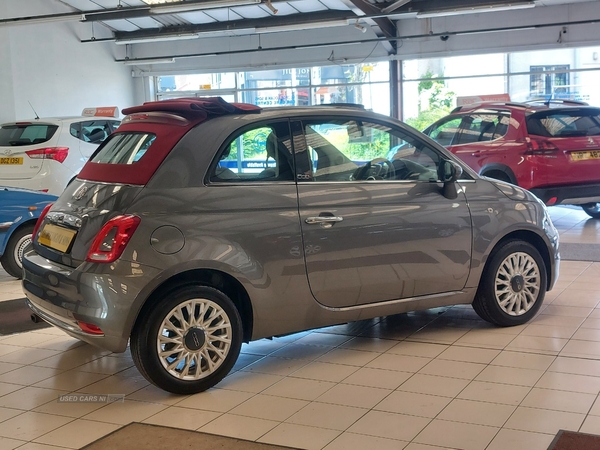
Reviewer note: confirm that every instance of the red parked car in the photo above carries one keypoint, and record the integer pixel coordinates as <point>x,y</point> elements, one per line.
<point>553,151</point>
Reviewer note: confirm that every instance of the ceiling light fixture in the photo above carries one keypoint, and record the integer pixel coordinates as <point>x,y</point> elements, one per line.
<point>44,19</point>
<point>157,38</point>
<point>475,10</point>
<point>138,62</point>
<point>360,27</point>
<point>195,6</point>
<point>394,6</point>
<point>302,26</point>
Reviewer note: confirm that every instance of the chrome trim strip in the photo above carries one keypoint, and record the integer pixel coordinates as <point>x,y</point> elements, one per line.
<point>391,302</point>
<point>58,323</point>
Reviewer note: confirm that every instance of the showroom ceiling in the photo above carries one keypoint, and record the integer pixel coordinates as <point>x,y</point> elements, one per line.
<point>132,21</point>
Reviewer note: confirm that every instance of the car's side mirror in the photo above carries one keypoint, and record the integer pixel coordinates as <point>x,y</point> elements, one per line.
<point>448,173</point>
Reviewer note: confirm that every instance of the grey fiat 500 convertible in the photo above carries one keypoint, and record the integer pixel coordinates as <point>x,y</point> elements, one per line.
<point>200,224</point>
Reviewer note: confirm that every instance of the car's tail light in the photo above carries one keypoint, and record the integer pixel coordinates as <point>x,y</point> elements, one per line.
<point>112,239</point>
<point>41,219</point>
<point>55,153</point>
<point>540,147</point>
<point>89,328</point>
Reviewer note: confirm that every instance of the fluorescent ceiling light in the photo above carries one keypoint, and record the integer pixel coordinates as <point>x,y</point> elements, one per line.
<point>138,62</point>
<point>158,38</point>
<point>195,6</point>
<point>302,26</point>
<point>475,9</point>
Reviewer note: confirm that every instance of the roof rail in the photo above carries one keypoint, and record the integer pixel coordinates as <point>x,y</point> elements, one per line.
<point>555,101</point>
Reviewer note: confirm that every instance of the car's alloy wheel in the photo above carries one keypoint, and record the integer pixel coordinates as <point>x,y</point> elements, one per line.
<point>513,284</point>
<point>517,283</point>
<point>189,341</point>
<point>592,209</point>
<point>12,259</point>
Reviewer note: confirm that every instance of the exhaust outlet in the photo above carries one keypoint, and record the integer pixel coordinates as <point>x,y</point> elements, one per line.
<point>35,318</point>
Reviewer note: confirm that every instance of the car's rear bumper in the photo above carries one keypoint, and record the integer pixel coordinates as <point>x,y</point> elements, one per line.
<point>569,195</point>
<point>64,296</point>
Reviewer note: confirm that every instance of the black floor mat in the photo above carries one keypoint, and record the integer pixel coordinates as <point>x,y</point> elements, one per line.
<point>15,317</point>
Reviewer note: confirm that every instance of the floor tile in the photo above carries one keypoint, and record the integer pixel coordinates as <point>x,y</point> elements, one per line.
<point>453,369</point>
<point>348,357</point>
<point>568,382</point>
<point>543,420</point>
<point>480,413</point>
<point>559,400</point>
<point>324,371</point>
<point>28,375</point>
<point>176,417</point>
<point>269,407</point>
<point>299,351</point>
<point>510,375</point>
<point>31,425</point>
<point>380,378</point>
<point>469,354</point>
<point>428,384</point>
<point>276,366</point>
<point>523,360</point>
<point>591,425</point>
<point>352,395</point>
<point>417,349</point>
<point>401,427</point>
<point>76,434</point>
<point>457,435</point>
<point>325,415</point>
<point>494,393</point>
<point>402,363</point>
<point>299,388</point>
<point>29,397</point>
<point>300,436</point>
<point>71,380</point>
<point>411,403</point>
<point>218,400</point>
<point>520,440</point>
<point>240,427</point>
<point>122,413</point>
<point>369,344</point>
<point>353,441</point>
<point>10,444</point>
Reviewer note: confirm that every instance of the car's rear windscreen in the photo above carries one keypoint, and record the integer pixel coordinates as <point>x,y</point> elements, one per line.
<point>124,148</point>
<point>565,123</point>
<point>14,135</point>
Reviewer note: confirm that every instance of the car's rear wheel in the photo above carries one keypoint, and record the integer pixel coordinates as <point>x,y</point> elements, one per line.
<point>188,341</point>
<point>513,284</point>
<point>12,259</point>
<point>592,209</point>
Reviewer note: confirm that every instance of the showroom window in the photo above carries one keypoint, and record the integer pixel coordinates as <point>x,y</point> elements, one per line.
<point>366,84</point>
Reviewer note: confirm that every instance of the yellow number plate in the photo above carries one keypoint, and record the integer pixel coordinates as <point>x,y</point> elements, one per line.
<point>583,156</point>
<point>12,160</point>
<point>56,237</point>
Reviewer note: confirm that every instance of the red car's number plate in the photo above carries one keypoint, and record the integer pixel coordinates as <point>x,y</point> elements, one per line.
<point>582,156</point>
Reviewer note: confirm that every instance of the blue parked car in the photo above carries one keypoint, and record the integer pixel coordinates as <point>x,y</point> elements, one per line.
<point>19,211</point>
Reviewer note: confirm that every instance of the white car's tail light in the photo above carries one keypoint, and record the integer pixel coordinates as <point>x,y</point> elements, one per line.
<point>55,153</point>
<point>112,239</point>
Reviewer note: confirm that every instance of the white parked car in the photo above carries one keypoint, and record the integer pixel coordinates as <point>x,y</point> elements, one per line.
<point>47,154</point>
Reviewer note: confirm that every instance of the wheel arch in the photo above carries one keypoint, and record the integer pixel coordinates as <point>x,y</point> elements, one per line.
<point>535,240</point>
<point>4,242</point>
<point>496,167</point>
<point>205,277</point>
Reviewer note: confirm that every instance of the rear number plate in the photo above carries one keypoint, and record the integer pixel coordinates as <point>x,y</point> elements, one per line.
<point>582,156</point>
<point>13,160</point>
<point>56,237</point>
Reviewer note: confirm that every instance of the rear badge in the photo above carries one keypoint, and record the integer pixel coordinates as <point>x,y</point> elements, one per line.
<point>80,193</point>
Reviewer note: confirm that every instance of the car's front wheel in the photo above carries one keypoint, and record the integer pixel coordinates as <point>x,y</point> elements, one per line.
<point>12,258</point>
<point>188,341</point>
<point>513,284</point>
<point>592,209</point>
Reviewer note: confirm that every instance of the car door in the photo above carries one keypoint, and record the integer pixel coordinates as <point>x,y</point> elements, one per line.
<point>376,228</point>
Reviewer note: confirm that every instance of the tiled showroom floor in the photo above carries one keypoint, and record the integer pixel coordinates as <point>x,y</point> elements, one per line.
<point>441,379</point>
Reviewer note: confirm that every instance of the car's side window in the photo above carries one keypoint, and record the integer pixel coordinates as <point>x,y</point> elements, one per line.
<point>445,132</point>
<point>482,127</point>
<point>92,131</point>
<point>261,153</point>
<point>354,150</point>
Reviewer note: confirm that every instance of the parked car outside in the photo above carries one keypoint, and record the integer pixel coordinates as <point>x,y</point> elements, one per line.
<point>46,154</point>
<point>551,149</point>
<point>19,211</point>
<point>161,243</point>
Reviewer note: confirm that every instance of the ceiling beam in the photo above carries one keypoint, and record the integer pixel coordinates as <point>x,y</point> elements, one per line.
<point>386,27</point>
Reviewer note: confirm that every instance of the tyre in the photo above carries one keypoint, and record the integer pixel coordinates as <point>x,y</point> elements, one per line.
<point>188,341</point>
<point>12,259</point>
<point>513,285</point>
<point>592,209</point>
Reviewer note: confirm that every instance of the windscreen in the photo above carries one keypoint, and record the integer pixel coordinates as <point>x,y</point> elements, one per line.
<point>565,123</point>
<point>124,148</point>
<point>26,134</point>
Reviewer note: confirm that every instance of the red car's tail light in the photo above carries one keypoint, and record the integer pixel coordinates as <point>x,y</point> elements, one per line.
<point>55,153</point>
<point>539,147</point>
<point>40,220</point>
<point>112,239</point>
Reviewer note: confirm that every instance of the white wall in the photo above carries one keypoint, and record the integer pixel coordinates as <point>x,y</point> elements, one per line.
<point>47,65</point>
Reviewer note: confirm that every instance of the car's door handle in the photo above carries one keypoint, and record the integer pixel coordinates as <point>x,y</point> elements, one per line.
<point>324,221</point>
<point>476,153</point>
